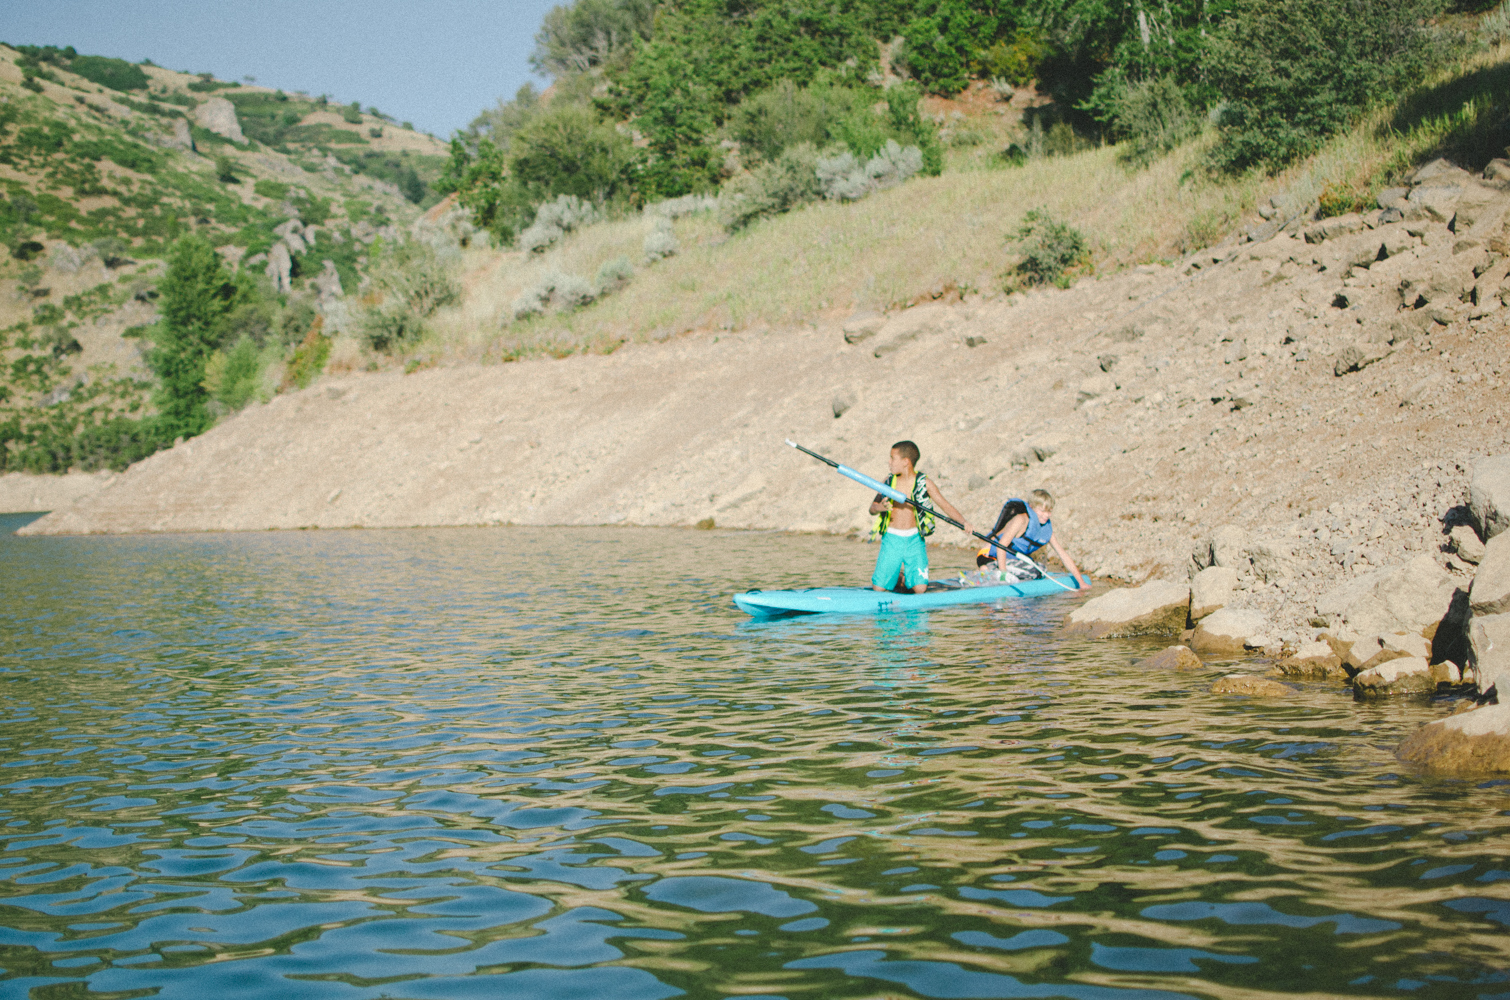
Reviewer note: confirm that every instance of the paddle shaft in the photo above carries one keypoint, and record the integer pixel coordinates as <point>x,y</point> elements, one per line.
<point>897,496</point>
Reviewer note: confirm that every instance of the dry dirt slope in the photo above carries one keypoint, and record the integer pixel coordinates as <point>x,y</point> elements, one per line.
<point>1159,403</point>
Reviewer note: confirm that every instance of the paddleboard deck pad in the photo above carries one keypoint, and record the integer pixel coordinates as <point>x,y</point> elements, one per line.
<point>864,601</point>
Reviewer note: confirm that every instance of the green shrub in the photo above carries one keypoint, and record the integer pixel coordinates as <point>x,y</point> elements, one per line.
<point>225,170</point>
<point>785,115</point>
<point>411,283</point>
<point>352,113</point>
<point>275,190</point>
<point>1052,251</point>
<point>231,376</point>
<point>197,293</point>
<point>1293,72</point>
<point>1150,118</point>
<point>568,150</point>
<point>117,74</point>
<point>30,83</point>
<point>308,359</point>
<point>1015,62</point>
<point>938,48</point>
<point>577,37</point>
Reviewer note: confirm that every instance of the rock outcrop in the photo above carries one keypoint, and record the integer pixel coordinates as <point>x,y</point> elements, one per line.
<point>1489,495</point>
<point>1476,742</point>
<point>1489,652</point>
<point>1157,608</point>
<point>1230,632</point>
<point>1414,597</point>
<point>218,115</point>
<point>1490,594</point>
<point>1210,590</point>
<point>1313,661</point>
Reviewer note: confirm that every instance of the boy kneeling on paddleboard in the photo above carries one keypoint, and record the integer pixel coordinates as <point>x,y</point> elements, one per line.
<point>902,529</point>
<point>1024,527</point>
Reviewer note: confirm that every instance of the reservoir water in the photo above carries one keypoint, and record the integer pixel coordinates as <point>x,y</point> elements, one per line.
<point>529,764</point>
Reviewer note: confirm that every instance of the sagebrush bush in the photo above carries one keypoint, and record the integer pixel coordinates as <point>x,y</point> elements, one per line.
<point>614,275</point>
<point>1494,27</point>
<point>555,219</point>
<point>687,204</point>
<point>232,376</point>
<point>564,291</point>
<point>843,178</point>
<point>1051,250</point>
<point>661,242</point>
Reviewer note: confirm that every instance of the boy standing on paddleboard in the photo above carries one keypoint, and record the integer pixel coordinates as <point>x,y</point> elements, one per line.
<point>1024,527</point>
<point>902,528</point>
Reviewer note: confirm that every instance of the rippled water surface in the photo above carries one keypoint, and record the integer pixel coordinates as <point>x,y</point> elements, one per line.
<point>517,763</point>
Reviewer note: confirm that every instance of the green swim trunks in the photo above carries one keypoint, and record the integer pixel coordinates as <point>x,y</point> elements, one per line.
<point>901,552</point>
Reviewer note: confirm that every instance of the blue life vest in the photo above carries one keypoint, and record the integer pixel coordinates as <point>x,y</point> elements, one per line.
<point>1034,538</point>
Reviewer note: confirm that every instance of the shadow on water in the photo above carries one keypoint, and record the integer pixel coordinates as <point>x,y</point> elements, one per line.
<point>558,763</point>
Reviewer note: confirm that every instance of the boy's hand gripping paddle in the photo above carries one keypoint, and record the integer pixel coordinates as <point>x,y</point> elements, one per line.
<point>897,497</point>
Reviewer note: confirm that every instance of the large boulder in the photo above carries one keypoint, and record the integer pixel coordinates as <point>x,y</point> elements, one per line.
<point>1491,584</point>
<point>1406,675</point>
<point>1230,631</point>
<point>1465,542</point>
<point>1210,590</point>
<point>1157,608</point>
<point>218,115</point>
<point>1476,742</point>
<point>1489,651</point>
<point>1171,658</point>
<point>1414,597</point>
<point>1489,495</point>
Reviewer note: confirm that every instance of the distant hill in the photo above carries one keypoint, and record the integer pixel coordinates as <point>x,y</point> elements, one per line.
<point>104,164</point>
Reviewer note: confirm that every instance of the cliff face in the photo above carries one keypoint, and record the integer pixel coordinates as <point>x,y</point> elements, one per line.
<point>1324,390</point>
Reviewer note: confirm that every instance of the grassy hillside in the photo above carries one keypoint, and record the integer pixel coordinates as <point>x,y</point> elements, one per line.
<point>949,235</point>
<point>105,166</point>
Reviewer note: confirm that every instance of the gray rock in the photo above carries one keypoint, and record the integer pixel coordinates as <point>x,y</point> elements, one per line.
<point>1157,608</point>
<point>328,282</point>
<point>1414,597</point>
<point>1389,196</point>
<point>1476,742</point>
<point>1489,495</point>
<point>1490,594</point>
<point>1327,229</point>
<point>1229,547</point>
<point>1465,542</point>
<point>1230,631</point>
<point>1095,387</point>
<point>1489,650</point>
<point>1438,169</point>
<point>218,115</point>
<point>279,266</point>
<point>843,402</point>
<point>1210,590</point>
<point>1497,170</point>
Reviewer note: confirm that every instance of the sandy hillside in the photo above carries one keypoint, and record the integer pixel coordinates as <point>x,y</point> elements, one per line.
<point>1159,403</point>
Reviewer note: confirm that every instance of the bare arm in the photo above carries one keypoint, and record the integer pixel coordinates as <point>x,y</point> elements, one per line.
<point>880,505</point>
<point>948,508</point>
<point>1069,563</point>
<point>1011,530</point>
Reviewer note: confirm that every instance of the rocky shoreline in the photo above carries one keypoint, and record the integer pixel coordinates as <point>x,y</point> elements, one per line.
<point>1414,630</point>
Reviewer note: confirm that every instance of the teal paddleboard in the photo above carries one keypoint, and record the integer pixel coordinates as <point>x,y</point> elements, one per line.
<point>864,601</point>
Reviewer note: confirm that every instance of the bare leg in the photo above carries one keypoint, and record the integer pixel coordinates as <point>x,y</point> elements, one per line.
<point>921,588</point>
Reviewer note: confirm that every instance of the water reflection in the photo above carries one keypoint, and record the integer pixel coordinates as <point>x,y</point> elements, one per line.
<point>533,763</point>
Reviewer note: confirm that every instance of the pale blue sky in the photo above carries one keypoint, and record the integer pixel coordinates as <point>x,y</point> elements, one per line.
<point>435,64</point>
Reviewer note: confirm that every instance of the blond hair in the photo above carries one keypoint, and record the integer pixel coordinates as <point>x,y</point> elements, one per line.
<point>1041,498</point>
